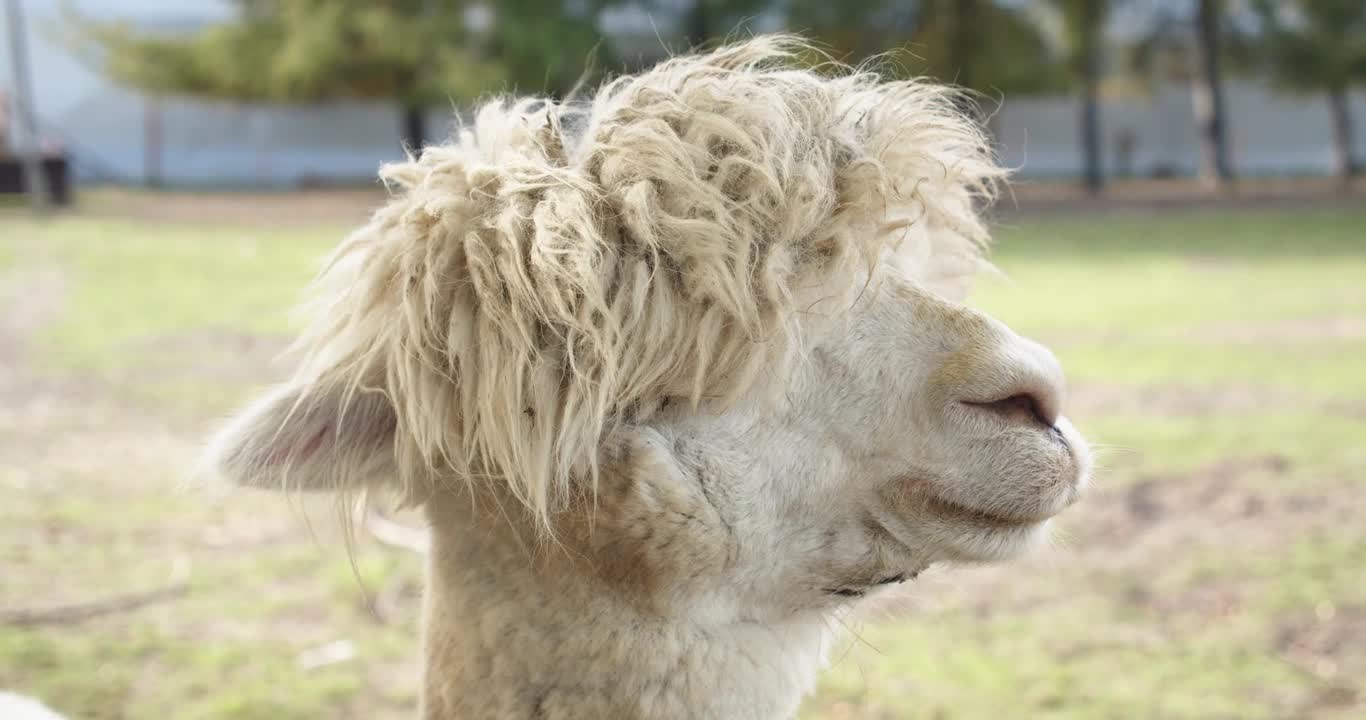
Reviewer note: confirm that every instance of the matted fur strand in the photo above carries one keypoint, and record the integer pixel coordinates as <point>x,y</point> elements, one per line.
<point>557,269</point>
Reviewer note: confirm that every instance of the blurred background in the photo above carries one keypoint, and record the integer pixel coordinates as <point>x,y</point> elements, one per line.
<point>1185,229</point>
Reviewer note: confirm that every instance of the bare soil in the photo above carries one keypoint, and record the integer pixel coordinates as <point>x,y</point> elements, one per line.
<point>1177,194</point>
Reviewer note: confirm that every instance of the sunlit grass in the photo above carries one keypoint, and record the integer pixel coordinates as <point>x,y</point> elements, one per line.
<point>1266,307</point>
<point>132,283</point>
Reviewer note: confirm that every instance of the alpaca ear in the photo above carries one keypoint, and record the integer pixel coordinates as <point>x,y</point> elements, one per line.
<point>300,437</point>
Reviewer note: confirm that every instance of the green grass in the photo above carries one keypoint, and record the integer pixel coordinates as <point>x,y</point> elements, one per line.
<point>1078,663</point>
<point>138,282</point>
<point>1233,344</point>
<point>150,673</point>
<point>1099,654</point>
<point>1207,303</point>
<point>1119,309</point>
<point>143,306</point>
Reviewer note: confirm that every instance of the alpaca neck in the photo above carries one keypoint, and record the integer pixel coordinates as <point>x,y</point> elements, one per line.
<point>512,630</point>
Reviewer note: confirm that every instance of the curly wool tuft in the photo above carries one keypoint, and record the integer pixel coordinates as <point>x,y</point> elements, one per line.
<point>559,268</point>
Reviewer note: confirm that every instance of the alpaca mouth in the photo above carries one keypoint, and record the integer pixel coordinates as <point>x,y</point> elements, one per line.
<point>957,512</point>
<point>859,590</point>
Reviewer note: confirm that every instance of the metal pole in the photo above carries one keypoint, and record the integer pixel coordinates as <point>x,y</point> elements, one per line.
<point>27,144</point>
<point>151,140</point>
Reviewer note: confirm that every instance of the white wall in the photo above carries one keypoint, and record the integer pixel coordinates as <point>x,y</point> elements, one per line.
<point>203,143</point>
<point>213,143</point>
<point>1270,132</point>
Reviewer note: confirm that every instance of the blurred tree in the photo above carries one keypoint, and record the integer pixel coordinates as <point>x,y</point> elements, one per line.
<point>1190,44</point>
<point>977,44</point>
<point>1083,30</point>
<point>4,124</point>
<point>1319,46</point>
<point>547,47</point>
<point>984,46</point>
<point>1207,87</point>
<point>702,21</point>
<point>415,52</point>
<point>855,30</point>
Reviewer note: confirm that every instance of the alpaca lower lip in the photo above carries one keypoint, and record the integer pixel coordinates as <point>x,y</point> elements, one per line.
<point>975,516</point>
<point>927,496</point>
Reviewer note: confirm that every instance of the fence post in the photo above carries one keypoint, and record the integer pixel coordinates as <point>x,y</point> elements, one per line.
<point>27,144</point>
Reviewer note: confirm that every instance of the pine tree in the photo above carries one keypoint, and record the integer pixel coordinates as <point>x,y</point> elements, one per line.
<point>1319,46</point>
<point>416,53</point>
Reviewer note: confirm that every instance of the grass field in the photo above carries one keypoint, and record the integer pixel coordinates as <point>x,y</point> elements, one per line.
<point>1217,570</point>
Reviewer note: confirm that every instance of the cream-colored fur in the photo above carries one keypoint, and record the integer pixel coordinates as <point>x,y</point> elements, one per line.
<point>678,375</point>
<point>18,707</point>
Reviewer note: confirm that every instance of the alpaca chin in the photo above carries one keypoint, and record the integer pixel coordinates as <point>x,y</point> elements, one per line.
<point>1002,545</point>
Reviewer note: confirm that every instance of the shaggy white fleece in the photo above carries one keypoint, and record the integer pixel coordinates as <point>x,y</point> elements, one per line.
<point>560,268</point>
<point>19,707</point>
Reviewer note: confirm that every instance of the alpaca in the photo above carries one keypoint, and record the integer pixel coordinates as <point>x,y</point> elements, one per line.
<point>678,374</point>
<point>19,707</point>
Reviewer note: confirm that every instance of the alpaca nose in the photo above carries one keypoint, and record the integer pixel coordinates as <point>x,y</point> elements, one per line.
<point>1022,407</point>
<point>1025,387</point>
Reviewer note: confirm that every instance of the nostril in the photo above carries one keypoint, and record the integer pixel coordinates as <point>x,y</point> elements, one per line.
<point>1023,407</point>
<point>1019,382</point>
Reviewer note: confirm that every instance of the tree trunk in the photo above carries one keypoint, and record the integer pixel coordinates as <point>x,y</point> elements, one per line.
<point>4,124</point>
<point>1207,98</point>
<point>1091,148</point>
<point>1344,163</point>
<point>697,28</point>
<point>153,140</point>
<point>30,143</point>
<point>965,21</point>
<point>1094,178</point>
<point>414,128</point>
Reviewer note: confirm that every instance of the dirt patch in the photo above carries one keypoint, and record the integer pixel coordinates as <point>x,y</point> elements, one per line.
<point>300,208</point>
<point>1042,196</point>
<point>1175,557</point>
<point>1298,331</point>
<point>31,299</point>
<point>1162,512</point>
<point>1095,399</point>
<point>1138,530</point>
<point>1354,410</point>
<point>30,405</point>
<point>214,355</point>
<point>1330,642</point>
<point>352,205</point>
<point>55,426</point>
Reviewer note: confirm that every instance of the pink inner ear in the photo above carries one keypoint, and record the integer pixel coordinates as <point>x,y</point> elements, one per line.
<point>303,452</point>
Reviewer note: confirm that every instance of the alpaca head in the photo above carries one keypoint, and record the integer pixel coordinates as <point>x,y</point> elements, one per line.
<point>705,329</point>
